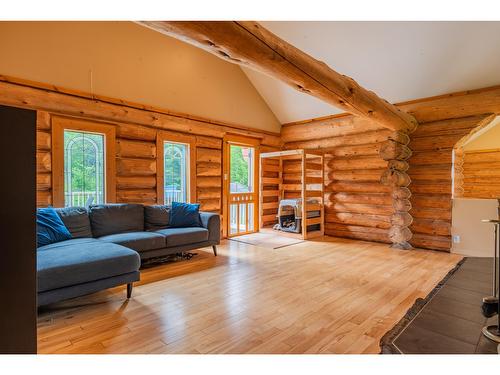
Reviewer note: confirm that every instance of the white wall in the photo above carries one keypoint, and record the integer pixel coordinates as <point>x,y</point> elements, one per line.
<point>476,238</point>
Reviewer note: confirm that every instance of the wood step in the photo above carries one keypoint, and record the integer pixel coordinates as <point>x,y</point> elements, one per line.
<point>270,205</point>
<point>314,194</point>
<point>270,193</point>
<point>292,187</point>
<point>270,181</point>
<point>314,180</point>
<point>314,221</point>
<point>271,168</point>
<point>313,206</point>
<point>269,218</point>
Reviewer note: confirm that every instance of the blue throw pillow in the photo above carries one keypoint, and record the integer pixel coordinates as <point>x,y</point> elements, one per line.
<point>49,227</point>
<point>183,215</point>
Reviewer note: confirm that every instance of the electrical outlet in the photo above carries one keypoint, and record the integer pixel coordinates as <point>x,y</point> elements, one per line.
<point>456,238</point>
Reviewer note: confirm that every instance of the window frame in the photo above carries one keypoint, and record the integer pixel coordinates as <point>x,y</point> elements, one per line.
<point>59,125</point>
<point>167,136</point>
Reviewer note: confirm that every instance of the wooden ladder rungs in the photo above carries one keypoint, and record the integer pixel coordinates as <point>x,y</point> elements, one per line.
<point>313,206</point>
<point>270,193</point>
<point>314,221</point>
<point>269,205</point>
<point>314,193</point>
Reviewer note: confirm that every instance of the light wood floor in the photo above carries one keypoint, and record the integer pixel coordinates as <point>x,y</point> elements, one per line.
<point>324,296</point>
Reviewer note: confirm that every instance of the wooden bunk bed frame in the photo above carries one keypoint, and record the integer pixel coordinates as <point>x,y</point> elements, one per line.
<point>311,185</point>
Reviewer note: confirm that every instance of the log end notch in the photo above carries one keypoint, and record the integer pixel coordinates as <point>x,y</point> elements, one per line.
<point>396,152</point>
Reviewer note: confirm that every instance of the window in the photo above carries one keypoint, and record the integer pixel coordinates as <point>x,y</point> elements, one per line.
<point>241,164</point>
<point>175,181</point>
<point>83,168</point>
<point>83,162</point>
<point>175,167</point>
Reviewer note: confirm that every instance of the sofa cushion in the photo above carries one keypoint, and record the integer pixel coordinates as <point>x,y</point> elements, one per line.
<point>73,241</point>
<point>82,260</point>
<point>116,218</point>
<point>49,227</point>
<point>183,215</point>
<point>76,219</point>
<point>156,217</point>
<point>138,241</point>
<point>184,236</point>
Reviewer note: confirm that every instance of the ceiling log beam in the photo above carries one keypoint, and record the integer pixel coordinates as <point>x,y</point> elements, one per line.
<point>251,45</point>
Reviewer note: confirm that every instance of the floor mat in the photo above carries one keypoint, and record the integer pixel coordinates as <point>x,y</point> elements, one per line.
<point>267,240</point>
<point>449,319</point>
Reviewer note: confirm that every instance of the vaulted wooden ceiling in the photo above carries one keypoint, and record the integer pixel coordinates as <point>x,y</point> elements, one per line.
<point>250,44</point>
<point>399,61</point>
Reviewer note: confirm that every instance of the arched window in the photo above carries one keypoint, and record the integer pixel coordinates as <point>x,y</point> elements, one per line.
<point>83,168</point>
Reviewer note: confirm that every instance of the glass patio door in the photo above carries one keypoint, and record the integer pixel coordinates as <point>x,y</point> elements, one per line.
<point>241,189</point>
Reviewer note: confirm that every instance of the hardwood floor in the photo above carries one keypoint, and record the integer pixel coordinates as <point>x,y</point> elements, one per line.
<point>329,295</point>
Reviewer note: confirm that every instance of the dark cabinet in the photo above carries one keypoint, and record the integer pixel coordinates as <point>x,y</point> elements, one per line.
<point>17,230</point>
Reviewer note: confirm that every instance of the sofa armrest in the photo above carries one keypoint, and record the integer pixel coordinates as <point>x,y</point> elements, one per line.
<point>211,221</point>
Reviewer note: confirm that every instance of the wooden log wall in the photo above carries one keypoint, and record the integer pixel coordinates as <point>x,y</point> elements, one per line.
<point>136,166</point>
<point>356,204</point>
<point>136,175</point>
<point>477,174</point>
<point>431,167</point>
<point>209,173</point>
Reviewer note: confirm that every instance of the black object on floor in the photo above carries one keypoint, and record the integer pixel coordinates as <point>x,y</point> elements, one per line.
<point>450,321</point>
<point>187,255</point>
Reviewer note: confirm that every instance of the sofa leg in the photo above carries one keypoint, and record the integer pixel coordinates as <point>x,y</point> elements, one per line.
<point>215,249</point>
<point>129,290</point>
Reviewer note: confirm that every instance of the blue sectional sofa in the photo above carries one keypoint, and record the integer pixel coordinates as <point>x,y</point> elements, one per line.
<point>107,245</point>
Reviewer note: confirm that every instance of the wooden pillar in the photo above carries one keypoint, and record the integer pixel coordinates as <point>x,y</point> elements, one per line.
<point>396,152</point>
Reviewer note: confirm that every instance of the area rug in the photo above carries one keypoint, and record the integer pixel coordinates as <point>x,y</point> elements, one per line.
<point>386,342</point>
<point>267,240</point>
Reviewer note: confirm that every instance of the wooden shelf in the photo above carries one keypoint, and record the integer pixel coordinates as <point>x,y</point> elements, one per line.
<point>305,172</point>
<point>314,220</point>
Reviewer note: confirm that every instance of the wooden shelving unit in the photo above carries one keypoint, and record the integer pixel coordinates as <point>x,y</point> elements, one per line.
<point>302,178</point>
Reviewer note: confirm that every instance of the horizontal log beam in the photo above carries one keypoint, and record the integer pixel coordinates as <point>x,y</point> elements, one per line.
<point>249,44</point>
<point>149,122</point>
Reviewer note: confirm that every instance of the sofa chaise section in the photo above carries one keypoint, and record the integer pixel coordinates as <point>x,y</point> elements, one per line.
<point>81,266</point>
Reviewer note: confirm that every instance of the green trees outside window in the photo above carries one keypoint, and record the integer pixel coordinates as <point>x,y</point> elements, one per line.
<point>175,176</point>
<point>241,169</point>
<point>83,168</point>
